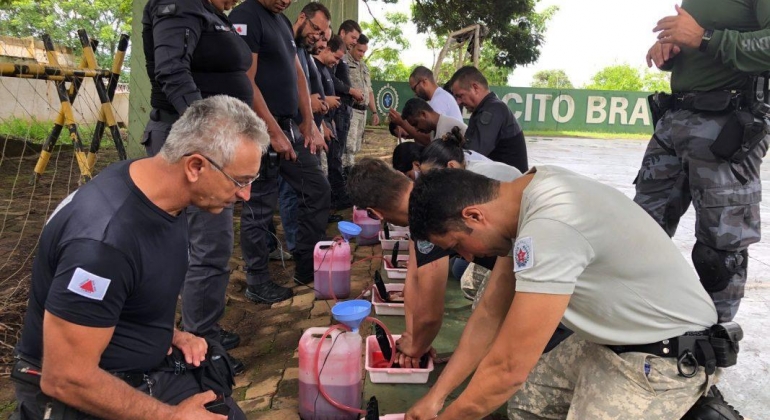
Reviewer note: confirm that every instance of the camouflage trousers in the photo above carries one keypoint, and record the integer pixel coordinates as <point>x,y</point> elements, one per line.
<point>579,380</point>
<point>678,168</point>
<point>355,137</point>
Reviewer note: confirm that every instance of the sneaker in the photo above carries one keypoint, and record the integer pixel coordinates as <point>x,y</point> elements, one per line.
<point>334,218</point>
<point>279,255</point>
<point>268,292</point>
<point>229,340</point>
<point>712,407</point>
<point>238,366</point>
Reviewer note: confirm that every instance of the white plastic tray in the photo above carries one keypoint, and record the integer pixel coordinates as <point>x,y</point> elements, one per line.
<point>393,375</point>
<point>395,273</point>
<point>388,244</point>
<point>387,308</point>
<point>393,417</point>
<point>397,228</point>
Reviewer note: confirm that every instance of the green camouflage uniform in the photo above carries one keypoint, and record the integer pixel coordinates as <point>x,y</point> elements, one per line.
<point>359,79</point>
<point>678,166</point>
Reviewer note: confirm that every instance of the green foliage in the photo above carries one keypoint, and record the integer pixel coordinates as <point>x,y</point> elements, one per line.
<point>625,77</point>
<point>554,79</point>
<point>515,30</point>
<point>104,20</point>
<point>386,43</point>
<point>33,130</point>
<point>617,77</point>
<point>656,81</point>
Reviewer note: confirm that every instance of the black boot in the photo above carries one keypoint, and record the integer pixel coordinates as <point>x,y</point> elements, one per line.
<point>712,407</point>
<point>268,292</point>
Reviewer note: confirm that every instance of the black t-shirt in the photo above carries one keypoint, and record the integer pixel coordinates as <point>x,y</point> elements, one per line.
<point>109,257</point>
<point>342,82</point>
<point>327,82</point>
<point>426,252</point>
<point>494,132</point>
<point>192,52</point>
<point>313,78</point>
<point>269,36</point>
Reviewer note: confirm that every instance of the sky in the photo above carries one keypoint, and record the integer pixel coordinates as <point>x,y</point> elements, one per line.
<point>582,38</point>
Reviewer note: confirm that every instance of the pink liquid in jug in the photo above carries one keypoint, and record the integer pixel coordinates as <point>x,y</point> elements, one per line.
<point>370,228</point>
<point>340,367</point>
<point>331,263</point>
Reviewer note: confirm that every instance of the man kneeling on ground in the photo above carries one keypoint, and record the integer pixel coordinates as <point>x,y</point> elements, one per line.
<point>110,265</point>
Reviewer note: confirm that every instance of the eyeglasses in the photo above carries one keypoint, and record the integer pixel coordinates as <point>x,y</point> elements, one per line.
<point>239,184</point>
<point>316,28</point>
<point>370,213</point>
<point>413,87</point>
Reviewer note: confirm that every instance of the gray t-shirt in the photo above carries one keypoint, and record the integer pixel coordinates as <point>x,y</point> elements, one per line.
<point>629,283</point>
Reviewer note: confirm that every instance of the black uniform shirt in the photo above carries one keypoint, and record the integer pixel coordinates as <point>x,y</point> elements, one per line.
<point>494,132</point>
<point>109,257</point>
<point>342,81</point>
<point>328,86</point>
<point>269,36</point>
<point>313,78</point>
<point>192,52</point>
<point>427,252</point>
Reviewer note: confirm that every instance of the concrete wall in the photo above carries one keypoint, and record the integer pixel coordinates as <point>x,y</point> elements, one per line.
<point>139,107</point>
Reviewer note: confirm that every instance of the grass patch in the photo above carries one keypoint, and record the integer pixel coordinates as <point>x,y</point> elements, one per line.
<point>35,131</point>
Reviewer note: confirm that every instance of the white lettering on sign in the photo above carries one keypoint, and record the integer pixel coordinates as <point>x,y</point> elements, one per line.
<point>556,107</point>
<point>618,108</point>
<point>543,98</point>
<point>640,112</point>
<point>516,99</point>
<point>528,108</point>
<point>596,105</point>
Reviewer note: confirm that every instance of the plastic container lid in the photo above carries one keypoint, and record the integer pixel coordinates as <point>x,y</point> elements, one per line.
<point>348,229</point>
<point>352,312</point>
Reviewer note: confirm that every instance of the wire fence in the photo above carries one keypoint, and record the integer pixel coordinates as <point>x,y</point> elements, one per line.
<point>29,109</point>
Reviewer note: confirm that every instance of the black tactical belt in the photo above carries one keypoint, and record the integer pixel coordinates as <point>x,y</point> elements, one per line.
<point>359,107</point>
<point>284,122</point>
<point>665,348</point>
<point>161,115</point>
<point>715,101</point>
<point>133,379</point>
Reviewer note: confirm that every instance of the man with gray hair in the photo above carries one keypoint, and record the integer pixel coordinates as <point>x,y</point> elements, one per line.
<point>111,262</point>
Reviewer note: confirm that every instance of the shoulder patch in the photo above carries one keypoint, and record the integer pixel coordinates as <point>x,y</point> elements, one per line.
<point>425,247</point>
<point>166,9</point>
<point>523,254</point>
<point>485,117</point>
<point>88,285</point>
<point>241,28</point>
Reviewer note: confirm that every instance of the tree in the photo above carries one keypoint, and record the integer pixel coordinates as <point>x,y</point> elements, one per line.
<point>104,20</point>
<point>617,77</point>
<point>656,81</point>
<point>386,42</point>
<point>554,79</point>
<point>515,30</point>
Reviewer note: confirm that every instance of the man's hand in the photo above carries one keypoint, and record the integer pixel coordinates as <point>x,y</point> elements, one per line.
<point>407,356</point>
<point>375,118</point>
<point>425,409</point>
<point>681,29</point>
<point>327,132</point>
<point>357,94</point>
<point>395,117</point>
<point>281,144</point>
<point>317,104</point>
<point>660,53</point>
<point>333,102</point>
<point>313,138</point>
<point>194,348</point>
<point>192,408</point>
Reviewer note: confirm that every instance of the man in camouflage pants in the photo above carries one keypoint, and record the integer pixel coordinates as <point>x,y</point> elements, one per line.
<point>679,166</point>
<point>359,79</point>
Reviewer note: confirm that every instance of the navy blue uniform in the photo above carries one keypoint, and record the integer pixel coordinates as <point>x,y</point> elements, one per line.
<point>269,36</point>
<point>194,52</point>
<point>494,132</point>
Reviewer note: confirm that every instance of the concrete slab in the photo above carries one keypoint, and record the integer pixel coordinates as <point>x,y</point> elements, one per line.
<point>615,162</point>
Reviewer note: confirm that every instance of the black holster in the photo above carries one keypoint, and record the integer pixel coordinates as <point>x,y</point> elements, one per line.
<point>717,349</point>
<point>215,373</point>
<point>659,103</point>
<point>741,133</point>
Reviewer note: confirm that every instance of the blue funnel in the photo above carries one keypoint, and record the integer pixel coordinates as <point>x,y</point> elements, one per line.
<point>352,312</point>
<point>348,230</point>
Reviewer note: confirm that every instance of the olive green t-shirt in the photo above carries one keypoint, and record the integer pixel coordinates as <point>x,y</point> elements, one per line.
<point>739,47</point>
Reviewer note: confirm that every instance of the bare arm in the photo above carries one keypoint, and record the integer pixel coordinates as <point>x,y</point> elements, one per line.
<point>424,291</point>
<point>278,139</point>
<point>477,338</point>
<point>412,132</point>
<point>71,374</point>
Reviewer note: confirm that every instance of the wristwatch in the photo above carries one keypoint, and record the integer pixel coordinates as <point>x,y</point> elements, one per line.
<point>704,41</point>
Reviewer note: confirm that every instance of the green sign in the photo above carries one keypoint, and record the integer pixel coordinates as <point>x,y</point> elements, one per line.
<point>551,109</point>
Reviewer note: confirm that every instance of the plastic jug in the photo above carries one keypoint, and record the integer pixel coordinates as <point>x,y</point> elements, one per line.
<point>331,263</point>
<point>340,367</point>
<point>370,228</point>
